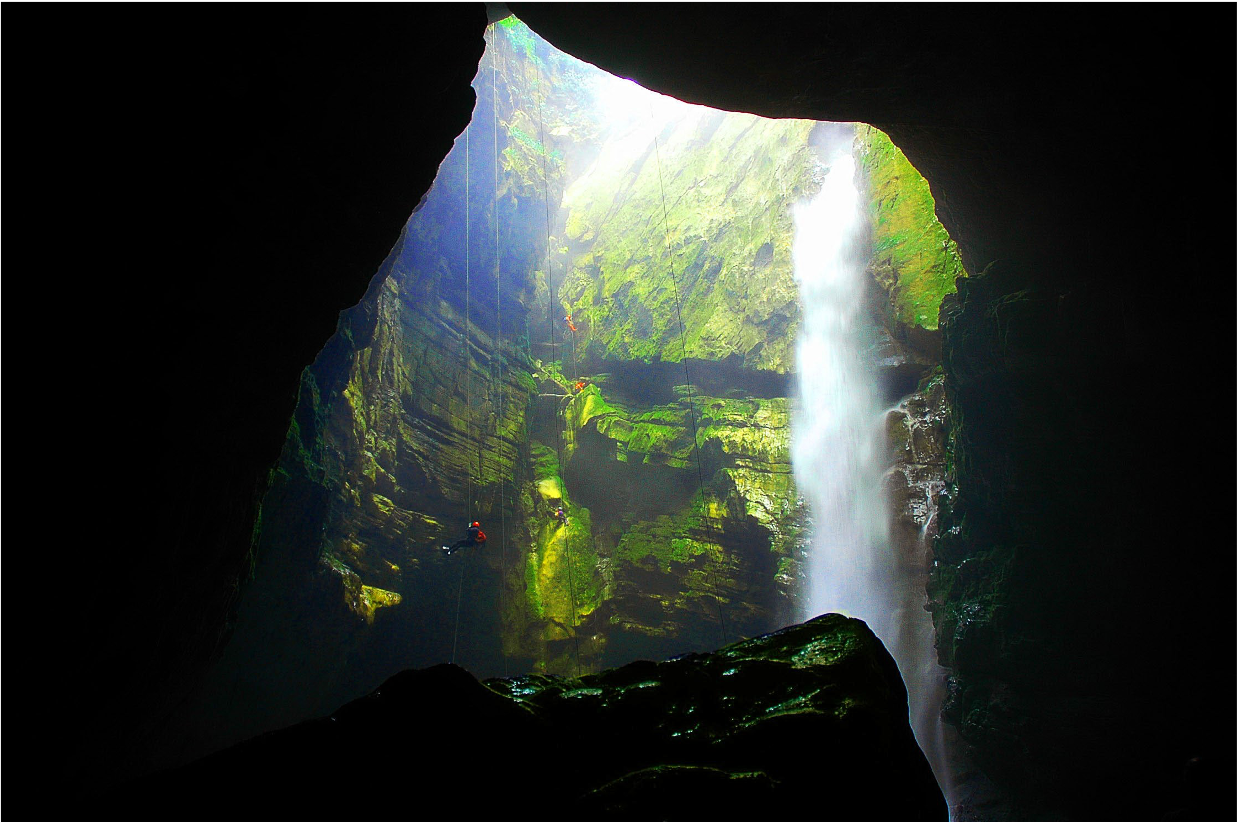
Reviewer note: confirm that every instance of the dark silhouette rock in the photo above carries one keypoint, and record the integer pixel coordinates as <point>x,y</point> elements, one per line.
<point>808,719</point>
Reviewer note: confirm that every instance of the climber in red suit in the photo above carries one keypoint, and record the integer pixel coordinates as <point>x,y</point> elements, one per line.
<point>474,539</point>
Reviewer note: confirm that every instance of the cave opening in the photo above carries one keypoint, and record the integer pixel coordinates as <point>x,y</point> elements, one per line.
<point>600,305</point>
<point>1081,558</point>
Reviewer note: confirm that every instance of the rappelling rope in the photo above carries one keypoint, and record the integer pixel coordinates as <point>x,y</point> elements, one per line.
<point>467,311</point>
<point>558,442</point>
<point>498,280</point>
<point>459,595</point>
<point>711,564</point>
<point>467,374</point>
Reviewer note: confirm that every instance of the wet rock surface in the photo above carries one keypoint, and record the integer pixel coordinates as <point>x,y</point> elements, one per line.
<point>811,718</point>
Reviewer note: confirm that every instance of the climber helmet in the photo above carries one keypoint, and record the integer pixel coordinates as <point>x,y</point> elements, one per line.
<point>475,525</point>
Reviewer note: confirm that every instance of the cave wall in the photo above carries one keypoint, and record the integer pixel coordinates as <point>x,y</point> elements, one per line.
<point>232,185</point>
<point>706,212</point>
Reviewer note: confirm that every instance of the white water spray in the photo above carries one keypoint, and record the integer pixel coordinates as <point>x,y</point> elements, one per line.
<point>839,453</point>
<point>837,447</point>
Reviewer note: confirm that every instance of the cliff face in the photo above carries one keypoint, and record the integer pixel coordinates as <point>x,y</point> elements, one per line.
<point>521,350</point>
<point>689,216</point>
<point>695,554</point>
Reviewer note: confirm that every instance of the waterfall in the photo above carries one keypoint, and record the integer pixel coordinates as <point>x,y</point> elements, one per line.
<point>837,445</point>
<point>839,451</point>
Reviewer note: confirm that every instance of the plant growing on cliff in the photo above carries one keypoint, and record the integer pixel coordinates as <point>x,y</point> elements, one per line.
<point>909,242</point>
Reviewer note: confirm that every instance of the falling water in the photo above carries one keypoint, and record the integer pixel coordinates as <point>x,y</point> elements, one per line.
<point>839,452</point>
<point>837,449</point>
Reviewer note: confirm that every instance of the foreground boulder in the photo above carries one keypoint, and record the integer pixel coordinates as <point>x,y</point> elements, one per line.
<point>813,717</point>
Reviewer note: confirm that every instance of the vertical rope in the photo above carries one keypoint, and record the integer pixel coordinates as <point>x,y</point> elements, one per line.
<point>467,311</point>
<point>558,416</point>
<point>710,565</point>
<point>498,283</point>
<point>459,595</point>
<point>467,374</point>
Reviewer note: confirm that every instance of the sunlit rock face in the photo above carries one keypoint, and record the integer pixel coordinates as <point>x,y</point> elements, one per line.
<point>450,394</point>
<point>810,717</point>
<point>672,552</point>
<point>690,217</point>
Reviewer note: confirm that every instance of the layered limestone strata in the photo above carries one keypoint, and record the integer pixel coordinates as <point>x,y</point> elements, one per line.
<point>693,548</point>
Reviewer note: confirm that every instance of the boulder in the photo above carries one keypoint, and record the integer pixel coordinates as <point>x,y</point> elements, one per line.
<point>812,718</point>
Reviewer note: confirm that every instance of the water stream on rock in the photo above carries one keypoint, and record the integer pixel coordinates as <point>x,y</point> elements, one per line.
<point>839,448</point>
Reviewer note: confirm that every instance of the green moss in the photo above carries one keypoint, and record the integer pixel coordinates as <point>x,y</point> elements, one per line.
<point>544,463</point>
<point>561,576</point>
<point>407,422</point>
<point>745,429</point>
<point>377,598</point>
<point>674,538</point>
<point>913,257</point>
<point>721,252</point>
<point>521,37</point>
<point>551,370</point>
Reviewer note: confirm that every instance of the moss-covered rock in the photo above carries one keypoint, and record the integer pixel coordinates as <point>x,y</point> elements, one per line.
<point>914,260</point>
<point>713,551</point>
<point>563,585</point>
<point>692,221</point>
<point>726,720</point>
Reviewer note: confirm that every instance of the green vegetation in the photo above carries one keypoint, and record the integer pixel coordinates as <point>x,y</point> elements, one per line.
<point>746,429</point>
<point>667,540</point>
<point>720,251</point>
<point>561,568</point>
<point>913,257</point>
<point>521,37</point>
<point>533,143</point>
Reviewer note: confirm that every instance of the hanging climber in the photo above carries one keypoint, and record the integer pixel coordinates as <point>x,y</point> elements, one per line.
<point>474,539</point>
<point>561,516</point>
<point>570,324</point>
